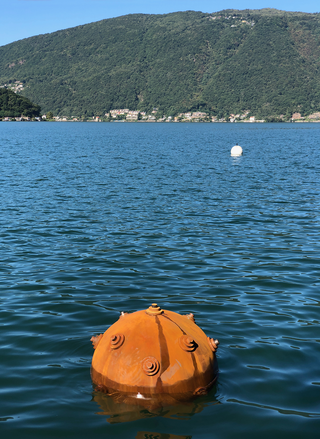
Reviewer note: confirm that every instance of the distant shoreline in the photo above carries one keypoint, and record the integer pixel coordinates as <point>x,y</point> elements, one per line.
<point>165,122</point>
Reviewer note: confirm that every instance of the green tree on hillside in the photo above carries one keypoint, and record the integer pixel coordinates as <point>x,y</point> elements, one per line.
<point>13,105</point>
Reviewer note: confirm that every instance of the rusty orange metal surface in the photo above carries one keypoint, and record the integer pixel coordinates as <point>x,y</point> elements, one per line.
<point>154,354</point>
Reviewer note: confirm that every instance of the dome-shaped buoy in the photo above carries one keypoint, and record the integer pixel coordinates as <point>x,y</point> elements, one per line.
<point>154,355</point>
<point>236,150</point>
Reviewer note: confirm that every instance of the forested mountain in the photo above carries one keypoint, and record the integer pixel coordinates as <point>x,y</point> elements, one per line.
<point>265,61</point>
<point>13,105</point>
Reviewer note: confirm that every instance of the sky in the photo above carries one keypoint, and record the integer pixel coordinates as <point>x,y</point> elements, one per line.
<point>25,18</point>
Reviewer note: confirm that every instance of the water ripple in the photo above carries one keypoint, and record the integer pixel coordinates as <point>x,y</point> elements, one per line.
<point>102,218</point>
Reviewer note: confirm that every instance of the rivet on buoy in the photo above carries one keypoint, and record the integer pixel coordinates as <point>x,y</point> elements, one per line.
<point>213,344</point>
<point>117,340</point>
<point>187,343</point>
<point>150,366</point>
<point>154,310</point>
<point>95,340</point>
<point>191,317</point>
<point>236,151</point>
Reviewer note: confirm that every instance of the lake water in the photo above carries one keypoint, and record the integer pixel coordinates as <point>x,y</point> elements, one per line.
<point>102,218</point>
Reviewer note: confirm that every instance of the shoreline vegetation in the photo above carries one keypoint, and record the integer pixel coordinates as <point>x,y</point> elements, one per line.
<point>17,108</point>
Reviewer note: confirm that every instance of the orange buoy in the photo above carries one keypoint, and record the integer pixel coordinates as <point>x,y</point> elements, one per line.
<point>153,355</point>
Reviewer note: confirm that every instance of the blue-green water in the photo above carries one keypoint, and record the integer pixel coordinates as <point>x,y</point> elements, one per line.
<point>101,218</point>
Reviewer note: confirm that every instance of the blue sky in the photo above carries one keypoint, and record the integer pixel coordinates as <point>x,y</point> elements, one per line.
<point>25,18</point>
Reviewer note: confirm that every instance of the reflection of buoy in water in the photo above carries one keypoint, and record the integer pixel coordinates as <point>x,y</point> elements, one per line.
<point>154,356</point>
<point>120,408</point>
<point>236,150</point>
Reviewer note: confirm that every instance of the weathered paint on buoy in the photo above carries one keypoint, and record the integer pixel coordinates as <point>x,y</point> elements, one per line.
<point>236,150</point>
<point>154,354</point>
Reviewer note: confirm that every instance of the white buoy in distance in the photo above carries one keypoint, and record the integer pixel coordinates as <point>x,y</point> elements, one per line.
<point>236,151</point>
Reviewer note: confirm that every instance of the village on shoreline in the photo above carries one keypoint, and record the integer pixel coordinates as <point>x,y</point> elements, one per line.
<point>126,115</point>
